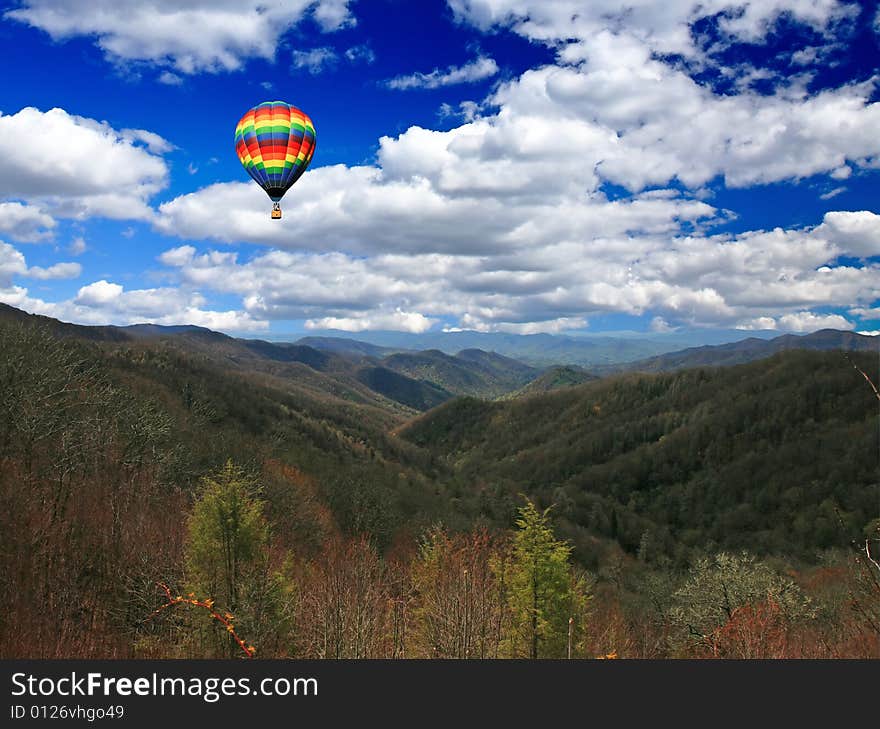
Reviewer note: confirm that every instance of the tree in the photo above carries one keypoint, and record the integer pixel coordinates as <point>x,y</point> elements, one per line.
<point>719,589</point>
<point>459,596</point>
<point>544,593</point>
<point>346,603</point>
<point>228,556</point>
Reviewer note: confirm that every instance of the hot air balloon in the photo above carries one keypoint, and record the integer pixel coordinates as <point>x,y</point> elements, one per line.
<point>275,143</point>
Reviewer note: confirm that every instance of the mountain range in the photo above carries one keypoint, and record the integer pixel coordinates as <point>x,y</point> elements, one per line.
<point>386,375</point>
<point>681,452</point>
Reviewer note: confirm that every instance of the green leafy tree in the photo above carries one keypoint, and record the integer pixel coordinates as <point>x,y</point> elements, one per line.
<point>229,558</point>
<point>544,593</point>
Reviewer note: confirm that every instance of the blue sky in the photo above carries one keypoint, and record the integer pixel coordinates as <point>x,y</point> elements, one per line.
<point>499,165</point>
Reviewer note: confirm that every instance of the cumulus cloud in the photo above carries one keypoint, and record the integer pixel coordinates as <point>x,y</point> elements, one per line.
<point>476,70</point>
<point>660,325</point>
<point>663,27</point>
<point>865,313</point>
<point>366,210</point>
<point>94,169</point>
<point>56,271</point>
<point>152,141</point>
<point>504,222</point>
<point>805,321</point>
<point>25,223</point>
<point>651,113</point>
<point>858,232</point>
<point>191,36</point>
<point>397,320</point>
<point>13,263</point>
<point>777,279</point>
<point>103,302</point>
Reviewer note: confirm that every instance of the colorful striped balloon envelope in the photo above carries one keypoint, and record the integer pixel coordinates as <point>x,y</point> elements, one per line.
<point>275,142</point>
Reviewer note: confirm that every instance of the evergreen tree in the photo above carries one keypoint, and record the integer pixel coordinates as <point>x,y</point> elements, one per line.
<point>228,557</point>
<point>544,594</point>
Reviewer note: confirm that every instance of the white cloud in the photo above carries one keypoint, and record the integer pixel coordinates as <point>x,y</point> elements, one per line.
<point>56,271</point>
<point>857,232</point>
<point>651,114</point>
<point>832,193</point>
<point>870,333</point>
<point>315,60</point>
<point>362,53</point>
<point>169,79</point>
<point>368,210</point>
<point>663,27</point>
<point>94,169</point>
<point>660,325</point>
<point>77,247</point>
<point>548,326</point>
<point>99,293</point>
<point>12,263</point>
<point>502,223</point>
<point>805,321</point>
<point>805,56</point>
<point>152,141</point>
<point>397,320</point>
<point>476,70</point>
<point>25,223</point>
<point>864,313</point>
<point>103,302</point>
<point>754,280</point>
<point>189,36</point>
<point>760,323</point>
<point>178,256</point>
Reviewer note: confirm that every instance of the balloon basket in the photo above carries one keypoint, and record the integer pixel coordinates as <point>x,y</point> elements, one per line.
<point>276,215</point>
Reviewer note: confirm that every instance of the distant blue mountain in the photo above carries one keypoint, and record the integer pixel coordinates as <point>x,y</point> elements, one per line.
<point>541,350</point>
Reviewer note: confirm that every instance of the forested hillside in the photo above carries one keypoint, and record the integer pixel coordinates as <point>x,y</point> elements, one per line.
<point>365,530</point>
<point>778,456</point>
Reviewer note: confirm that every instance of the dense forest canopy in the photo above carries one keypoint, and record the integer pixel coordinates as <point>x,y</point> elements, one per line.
<point>597,518</point>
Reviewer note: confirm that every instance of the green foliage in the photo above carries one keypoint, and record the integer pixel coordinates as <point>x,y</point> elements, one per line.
<point>554,379</point>
<point>543,593</point>
<point>228,559</point>
<point>363,505</point>
<point>777,456</point>
<point>105,440</point>
<point>471,372</point>
<point>417,394</point>
<point>227,535</point>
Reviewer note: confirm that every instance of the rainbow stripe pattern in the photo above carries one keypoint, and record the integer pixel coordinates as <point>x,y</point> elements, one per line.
<point>275,143</point>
